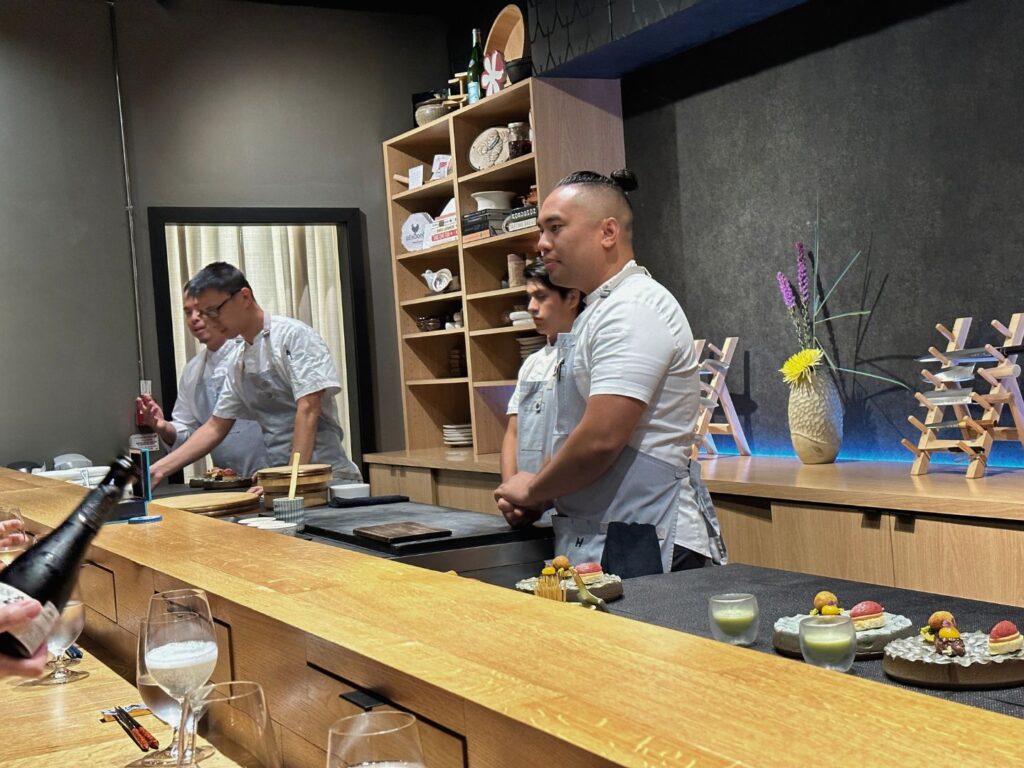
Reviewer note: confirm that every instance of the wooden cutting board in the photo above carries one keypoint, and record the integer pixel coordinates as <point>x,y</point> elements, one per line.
<point>227,502</point>
<point>392,533</point>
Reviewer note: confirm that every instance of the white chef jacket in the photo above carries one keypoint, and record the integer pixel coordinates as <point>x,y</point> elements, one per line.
<point>198,391</point>
<point>286,361</point>
<point>637,343</point>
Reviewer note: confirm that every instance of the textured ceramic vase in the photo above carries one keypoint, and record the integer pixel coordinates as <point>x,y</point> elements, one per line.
<point>816,419</point>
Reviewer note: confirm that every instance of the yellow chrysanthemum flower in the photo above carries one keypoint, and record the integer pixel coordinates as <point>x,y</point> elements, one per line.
<point>800,365</point>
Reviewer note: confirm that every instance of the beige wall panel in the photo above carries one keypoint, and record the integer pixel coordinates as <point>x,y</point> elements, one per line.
<point>951,556</point>
<point>833,541</point>
<point>467,490</point>
<point>748,530</point>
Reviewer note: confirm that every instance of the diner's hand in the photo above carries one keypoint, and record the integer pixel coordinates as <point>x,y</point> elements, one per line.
<point>12,534</point>
<point>12,616</point>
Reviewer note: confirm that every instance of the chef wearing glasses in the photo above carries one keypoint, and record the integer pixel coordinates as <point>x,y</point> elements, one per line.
<point>282,377</point>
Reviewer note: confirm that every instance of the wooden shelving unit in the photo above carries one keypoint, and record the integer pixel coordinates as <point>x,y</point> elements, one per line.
<point>577,125</point>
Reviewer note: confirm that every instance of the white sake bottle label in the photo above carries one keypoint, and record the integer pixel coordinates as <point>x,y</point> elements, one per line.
<point>33,633</point>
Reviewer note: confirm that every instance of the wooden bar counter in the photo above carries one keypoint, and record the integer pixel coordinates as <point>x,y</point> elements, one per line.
<point>497,678</point>
<point>860,520</point>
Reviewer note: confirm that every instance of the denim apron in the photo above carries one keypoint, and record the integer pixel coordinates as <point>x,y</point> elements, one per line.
<point>242,449</point>
<point>637,488</point>
<point>269,396</point>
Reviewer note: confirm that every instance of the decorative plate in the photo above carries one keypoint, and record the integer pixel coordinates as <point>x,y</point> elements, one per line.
<point>913,660</point>
<point>414,231</point>
<point>870,642</point>
<point>489,148</point>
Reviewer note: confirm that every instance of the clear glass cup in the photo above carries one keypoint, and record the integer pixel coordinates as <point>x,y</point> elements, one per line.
<point>231,719</point>
<point>14,539</point>
<point>62,637</point>
<point>828,641</point>
<point>733,618</point>
<point>180,648</point>
<point>378,739</point>
<point>163,706</point>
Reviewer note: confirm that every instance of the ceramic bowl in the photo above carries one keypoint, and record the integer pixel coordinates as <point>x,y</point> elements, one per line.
<point>429,110</point>
<point>493,199</point>
<point>519,69</point>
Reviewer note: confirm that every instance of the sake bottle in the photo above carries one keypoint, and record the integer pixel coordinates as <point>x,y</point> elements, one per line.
<point>48,571</point>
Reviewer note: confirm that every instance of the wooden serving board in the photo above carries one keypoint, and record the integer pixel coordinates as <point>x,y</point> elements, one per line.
<point>225,502</point>
<point>392,533</point>
<point>913,661</point>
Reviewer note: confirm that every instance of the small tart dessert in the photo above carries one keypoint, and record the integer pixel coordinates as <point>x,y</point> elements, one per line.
<point>590,572</point>
<point>935,621</point>
<point>867,615</point>
<point>826,604</point>
<point>1004,638</point>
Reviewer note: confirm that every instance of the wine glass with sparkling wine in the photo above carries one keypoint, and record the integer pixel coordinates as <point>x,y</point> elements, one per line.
<point>180,647</point>
<point>160,703</point>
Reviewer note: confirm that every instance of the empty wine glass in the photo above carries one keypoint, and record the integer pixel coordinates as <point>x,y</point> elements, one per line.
<point>14,539</point>
<point>62,637</point>
<point>180,646</point>
<point>233,719</point>
<point>379,739</point>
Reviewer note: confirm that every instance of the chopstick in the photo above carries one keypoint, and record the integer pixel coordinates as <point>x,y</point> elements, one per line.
<point>295,475</point>
<point>148,737</point>
<point>133,735</point>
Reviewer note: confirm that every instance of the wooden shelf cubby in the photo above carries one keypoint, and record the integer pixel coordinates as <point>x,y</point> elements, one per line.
<point>577,125</point>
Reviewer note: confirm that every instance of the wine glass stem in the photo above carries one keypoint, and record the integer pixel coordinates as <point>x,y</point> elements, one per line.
<point>60,669</point>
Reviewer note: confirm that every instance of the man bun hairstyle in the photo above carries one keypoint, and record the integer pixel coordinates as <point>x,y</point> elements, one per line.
<point>620,182</point>
<point>219,276</point>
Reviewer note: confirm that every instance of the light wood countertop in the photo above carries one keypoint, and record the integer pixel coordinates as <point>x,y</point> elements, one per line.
<point>529,672</point>
<point>886,485</point>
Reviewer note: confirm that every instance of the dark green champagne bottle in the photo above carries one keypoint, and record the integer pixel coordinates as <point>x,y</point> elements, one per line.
<point>48,571</point>
<point>475,70</point>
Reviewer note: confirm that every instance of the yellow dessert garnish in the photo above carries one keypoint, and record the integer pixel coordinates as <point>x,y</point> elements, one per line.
<point>548,571</point>
<point>831,610</point>
<point>949,633</point>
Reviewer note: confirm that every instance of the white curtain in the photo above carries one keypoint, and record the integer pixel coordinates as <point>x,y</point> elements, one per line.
<point>293,271</point>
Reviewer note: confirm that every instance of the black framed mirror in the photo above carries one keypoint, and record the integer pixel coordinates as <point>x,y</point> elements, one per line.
<point>347,225</point>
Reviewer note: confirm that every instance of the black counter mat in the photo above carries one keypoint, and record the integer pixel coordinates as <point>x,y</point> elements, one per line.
<point>680,601</point>
<point>469,529</point>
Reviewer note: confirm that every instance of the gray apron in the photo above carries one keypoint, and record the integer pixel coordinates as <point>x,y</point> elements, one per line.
<point>267,394</point>
<point>533,432</point>
<point>637,488</point>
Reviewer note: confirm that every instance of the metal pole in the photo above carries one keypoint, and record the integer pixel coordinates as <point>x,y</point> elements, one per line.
<point>129,209</point>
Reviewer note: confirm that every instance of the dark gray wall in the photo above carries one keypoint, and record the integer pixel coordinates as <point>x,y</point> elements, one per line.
<point>68,372</point>
<point>904,124</point>
<point>228,104</point>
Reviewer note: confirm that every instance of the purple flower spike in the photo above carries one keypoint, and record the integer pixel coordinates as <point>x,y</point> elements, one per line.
<point>803,279</point>
<point>786,289</point>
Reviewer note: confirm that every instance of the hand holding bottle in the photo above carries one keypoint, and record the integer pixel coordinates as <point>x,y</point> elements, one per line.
<point>14,616</point>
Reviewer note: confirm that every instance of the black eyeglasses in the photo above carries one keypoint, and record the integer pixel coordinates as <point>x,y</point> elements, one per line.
<point>213,312</point>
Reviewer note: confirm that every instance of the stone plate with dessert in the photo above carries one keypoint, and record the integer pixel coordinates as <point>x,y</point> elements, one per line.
<point>875,627</point>
<point>941,656</point>
<point>606,586</point>
<point>220,479</point>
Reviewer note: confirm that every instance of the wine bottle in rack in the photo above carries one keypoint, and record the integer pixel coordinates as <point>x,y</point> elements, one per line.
<point>48,571</point>
<point>475,70</point>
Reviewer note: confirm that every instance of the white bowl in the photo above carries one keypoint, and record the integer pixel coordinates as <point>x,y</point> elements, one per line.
<point>493,198</point>
<point>260,522</point>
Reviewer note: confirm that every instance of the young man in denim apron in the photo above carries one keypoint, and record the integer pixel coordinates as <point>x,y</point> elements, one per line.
<point>283,378</point>
<point>554,309</point>
<point>625,402</point>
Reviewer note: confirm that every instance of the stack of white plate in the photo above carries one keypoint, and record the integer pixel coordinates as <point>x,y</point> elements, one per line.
<point>521,318</point>
<point>457,434</point>
<point>530,344</point>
